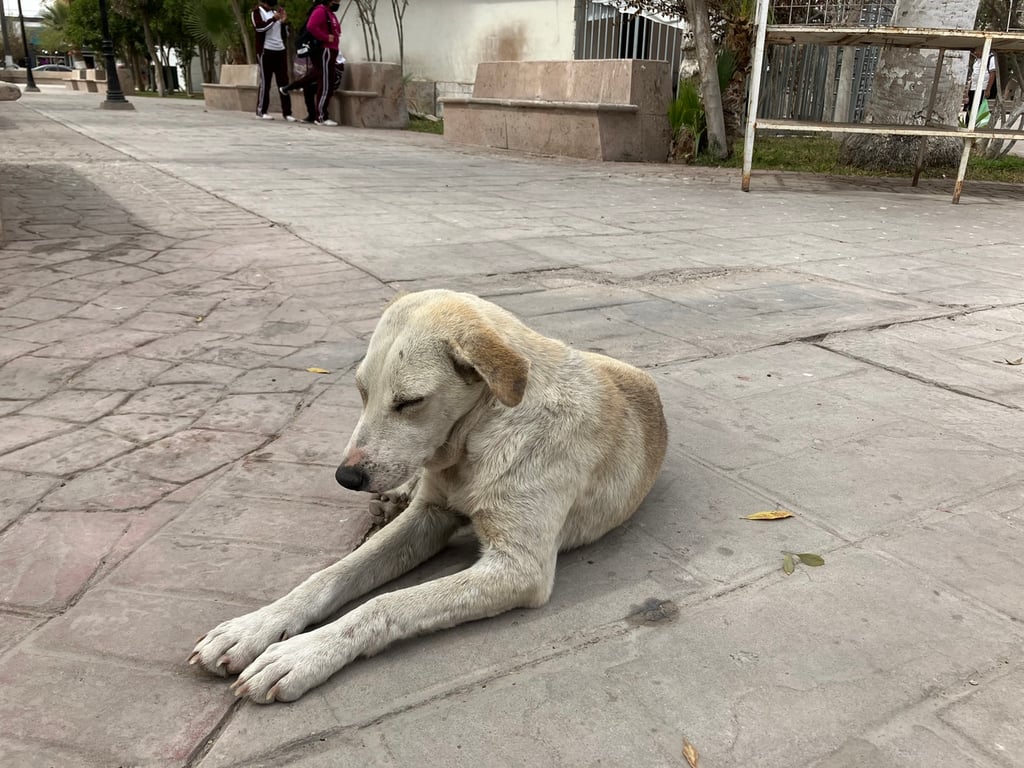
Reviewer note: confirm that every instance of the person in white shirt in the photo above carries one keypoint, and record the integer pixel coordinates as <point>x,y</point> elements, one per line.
<point>988,81</point>
<point>268,19</point>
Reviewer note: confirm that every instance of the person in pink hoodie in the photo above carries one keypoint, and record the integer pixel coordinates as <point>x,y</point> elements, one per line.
<point>324,29</point>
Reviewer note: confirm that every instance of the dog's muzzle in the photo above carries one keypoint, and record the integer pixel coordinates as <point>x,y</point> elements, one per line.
<point>353,478</point>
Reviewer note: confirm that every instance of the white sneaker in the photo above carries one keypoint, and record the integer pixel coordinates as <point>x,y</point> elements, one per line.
<point>325,122</point>
<point>265,116</point>
<point>289,118</point>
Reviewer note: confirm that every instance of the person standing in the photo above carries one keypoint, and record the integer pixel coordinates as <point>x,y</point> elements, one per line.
<point>983,75</point>
<point>271,57</point>
<point>325,29</point>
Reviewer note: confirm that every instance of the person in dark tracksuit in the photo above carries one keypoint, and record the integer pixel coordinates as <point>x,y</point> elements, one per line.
<point>272,59</point>
<point>309,91</point>
<point>324,27</point>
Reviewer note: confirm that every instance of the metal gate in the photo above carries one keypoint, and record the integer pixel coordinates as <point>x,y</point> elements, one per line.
<point>605,31</point>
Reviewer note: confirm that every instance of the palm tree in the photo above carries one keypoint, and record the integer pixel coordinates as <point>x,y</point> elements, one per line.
<point>899,93</point>
<point>54,36</point>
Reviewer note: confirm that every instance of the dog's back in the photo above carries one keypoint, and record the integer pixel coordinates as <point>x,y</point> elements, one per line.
<point>632,437</point>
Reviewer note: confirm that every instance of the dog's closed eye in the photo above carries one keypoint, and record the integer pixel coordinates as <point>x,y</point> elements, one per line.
<point>402,404</point>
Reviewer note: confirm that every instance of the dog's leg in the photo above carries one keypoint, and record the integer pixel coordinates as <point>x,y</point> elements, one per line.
<point>496,583</point>
<point>415,536</point>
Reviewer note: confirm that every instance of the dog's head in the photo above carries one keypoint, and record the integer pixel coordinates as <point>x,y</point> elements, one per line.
<point>434,356</point>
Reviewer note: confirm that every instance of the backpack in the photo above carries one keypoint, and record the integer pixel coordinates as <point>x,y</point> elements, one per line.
<point>305,43</point>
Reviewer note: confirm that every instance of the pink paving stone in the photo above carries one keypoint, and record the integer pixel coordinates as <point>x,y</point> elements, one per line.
<point>143,427</point>
<point>17,431</point>
<point>141,526</point>
<point>207,567</point>
<point>198,487</point>
<point>13,628</point>
<point>19,491</point>
<point>77,405</point>
<point>31,377</point>
<point>123,371</point>
<point>264,413</point>
<point>189,454</point>
<point>337,528</point>
<point>151,629</point>
<point>39,755</point>
<point>124,715</point>
<point>46,558</point>
<point>173,399</point>
<point>284,480</point>
<point>107,488</point>
<point>69,453</point>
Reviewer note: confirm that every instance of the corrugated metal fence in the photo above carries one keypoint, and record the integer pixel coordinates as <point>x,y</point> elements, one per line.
<point>804,81</point>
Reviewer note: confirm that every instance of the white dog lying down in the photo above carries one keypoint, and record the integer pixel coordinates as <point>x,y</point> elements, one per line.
<point>540,447</point>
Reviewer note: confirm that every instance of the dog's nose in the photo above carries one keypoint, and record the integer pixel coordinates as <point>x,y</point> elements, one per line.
<point>352,478</point>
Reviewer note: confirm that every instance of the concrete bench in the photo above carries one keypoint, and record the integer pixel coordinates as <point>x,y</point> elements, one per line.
<point>597,109</point>
<point>95,80</point>
<point>372,95</point>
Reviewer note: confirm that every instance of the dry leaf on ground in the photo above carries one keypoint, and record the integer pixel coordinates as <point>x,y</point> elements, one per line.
<point>690,753</point>
<point>788,566</point>
<point>317,370</point>
<point>772,514</point>
<point>808,558</point>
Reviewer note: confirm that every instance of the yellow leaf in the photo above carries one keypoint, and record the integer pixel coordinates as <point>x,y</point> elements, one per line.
<point>690,753</point>
<point>199,318</point>
<point>772,514</point>
<point>318,370</point>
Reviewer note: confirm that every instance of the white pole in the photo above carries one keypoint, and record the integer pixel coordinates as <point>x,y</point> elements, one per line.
<point>754,91</point>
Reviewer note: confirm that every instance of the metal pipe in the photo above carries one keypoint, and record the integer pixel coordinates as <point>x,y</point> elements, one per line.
<point>755,92</point>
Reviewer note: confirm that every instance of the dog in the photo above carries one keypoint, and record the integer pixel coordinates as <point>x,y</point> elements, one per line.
<point>478,419</point>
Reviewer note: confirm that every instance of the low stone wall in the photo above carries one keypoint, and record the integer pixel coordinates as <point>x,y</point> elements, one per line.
<point>95,80</point>
<point>237,90</point>
<point>372,95</point>
<point>42,78</point>
<point>597,109</point>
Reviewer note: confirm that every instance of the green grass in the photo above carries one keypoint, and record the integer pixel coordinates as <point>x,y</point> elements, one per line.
<point>819,154</point>
<point>426,126</point>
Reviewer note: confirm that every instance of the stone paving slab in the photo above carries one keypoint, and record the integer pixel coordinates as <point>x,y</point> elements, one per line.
<point>714,678</point>
<point>166,460</point>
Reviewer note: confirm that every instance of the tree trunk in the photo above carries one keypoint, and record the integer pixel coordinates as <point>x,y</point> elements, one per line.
<point>710,90</point>
<point>899,92</point>
<point>243,26</point>
<point>157,64</point>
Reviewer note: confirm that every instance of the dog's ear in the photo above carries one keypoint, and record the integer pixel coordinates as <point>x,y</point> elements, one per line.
<point>481,351</point>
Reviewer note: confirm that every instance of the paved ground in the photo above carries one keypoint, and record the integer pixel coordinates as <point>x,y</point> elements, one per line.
<point>166,461</point>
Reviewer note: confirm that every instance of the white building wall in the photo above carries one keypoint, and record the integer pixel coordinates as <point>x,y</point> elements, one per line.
<point>445,39</point>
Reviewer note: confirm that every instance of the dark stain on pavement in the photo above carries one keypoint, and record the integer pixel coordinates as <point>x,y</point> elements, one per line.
<point>653,611</point>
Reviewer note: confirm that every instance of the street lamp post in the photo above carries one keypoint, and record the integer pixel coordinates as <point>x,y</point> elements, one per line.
<point>115,97</point>
<point>30,81</point>
<point>8,58</point>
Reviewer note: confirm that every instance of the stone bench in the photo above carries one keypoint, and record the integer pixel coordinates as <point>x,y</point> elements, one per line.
<point>372,95</point>
<point>597,109</point>
<point>95,81</point>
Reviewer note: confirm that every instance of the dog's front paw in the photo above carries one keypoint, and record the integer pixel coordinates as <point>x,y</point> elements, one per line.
<point>288,669</point>
<point>385,507</point>
<point>232,645</point>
